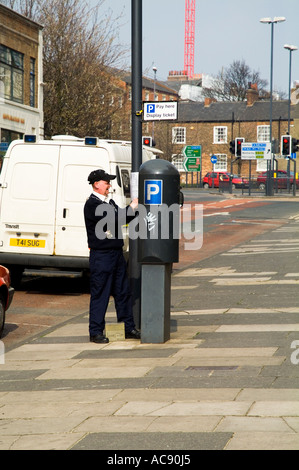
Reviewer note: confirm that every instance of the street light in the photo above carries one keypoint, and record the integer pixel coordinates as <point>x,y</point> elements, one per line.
<point>290,48</point>
<point>155,79</point>
<point>277,19</point>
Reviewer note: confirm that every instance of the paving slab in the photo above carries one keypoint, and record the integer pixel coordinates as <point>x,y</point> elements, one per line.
<point>156,441</point>
<point>263,441</point>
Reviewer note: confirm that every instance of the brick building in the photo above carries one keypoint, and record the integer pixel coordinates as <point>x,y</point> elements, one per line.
<point>21,93</point>
<point>214,124</point>
<point>152,90</point>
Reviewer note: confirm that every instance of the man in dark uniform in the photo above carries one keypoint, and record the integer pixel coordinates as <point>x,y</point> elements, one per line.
<point>108,268</point>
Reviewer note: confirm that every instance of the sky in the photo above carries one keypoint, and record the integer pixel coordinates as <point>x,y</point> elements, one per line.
<point>225,31</point>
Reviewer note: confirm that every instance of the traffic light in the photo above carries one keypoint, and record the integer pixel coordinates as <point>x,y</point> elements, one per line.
<point>232,147</point>
<point>295,145</point>
<point>238,146</point>
<point>148,141</point>
<point>286,145</point>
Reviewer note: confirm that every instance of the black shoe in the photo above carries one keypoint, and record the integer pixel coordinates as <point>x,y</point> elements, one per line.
<point>100,338</point>
<point>133,334</point>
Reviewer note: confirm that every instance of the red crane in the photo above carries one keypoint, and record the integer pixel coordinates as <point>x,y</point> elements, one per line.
<point>189,37</point>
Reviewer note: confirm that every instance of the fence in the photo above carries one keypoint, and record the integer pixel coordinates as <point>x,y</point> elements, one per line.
<point>276,184</point>
<point>263,184</point>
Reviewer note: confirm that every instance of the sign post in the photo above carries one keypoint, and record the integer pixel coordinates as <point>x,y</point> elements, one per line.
<point>136,36</point>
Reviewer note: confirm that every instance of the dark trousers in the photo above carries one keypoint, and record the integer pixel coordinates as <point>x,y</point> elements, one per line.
<point>108,277</point>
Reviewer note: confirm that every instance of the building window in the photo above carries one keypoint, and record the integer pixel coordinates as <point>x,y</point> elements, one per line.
<point>12,73</point>
<point>179,135</point>
<point>178,162</point>
<point>221,164</point>
<point>220,135</point>
<point>32,82</point>
<point>263,133</point>
<point>261,164</point>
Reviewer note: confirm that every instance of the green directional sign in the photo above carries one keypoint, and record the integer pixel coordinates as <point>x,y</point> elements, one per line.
<point>192,151</point>
<point>192,159</point>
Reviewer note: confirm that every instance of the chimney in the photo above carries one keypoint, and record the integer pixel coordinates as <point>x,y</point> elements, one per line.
<point>252,94</point>
<point>209,101</point>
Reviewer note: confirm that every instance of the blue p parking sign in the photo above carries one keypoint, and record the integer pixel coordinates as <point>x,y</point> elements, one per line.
<point>153,192</point>
<point>150,108</point>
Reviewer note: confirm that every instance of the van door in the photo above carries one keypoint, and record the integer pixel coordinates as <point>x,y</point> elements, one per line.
<point>29,199</point>
<point>121,194</point>
<point>75,164</point>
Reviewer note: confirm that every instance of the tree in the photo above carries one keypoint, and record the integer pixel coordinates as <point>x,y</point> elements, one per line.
<point>25,7</point>
<point>231,83</point>
<point>79,53</point>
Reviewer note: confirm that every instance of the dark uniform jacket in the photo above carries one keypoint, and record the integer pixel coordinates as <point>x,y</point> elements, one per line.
<point>103,223</point>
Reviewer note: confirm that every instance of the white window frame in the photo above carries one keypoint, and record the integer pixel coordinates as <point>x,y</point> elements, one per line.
<point>179,135</point>
<point>221,164</point>
<point>261,165</point>
<point>263,133</point>
<point>178,162</point>
<point>220,135</point>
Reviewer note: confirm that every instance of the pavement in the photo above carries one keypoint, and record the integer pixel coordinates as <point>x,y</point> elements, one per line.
<point>228,378</point>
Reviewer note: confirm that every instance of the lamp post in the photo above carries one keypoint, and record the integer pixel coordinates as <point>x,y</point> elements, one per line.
<point>279,19</point>
<point>155,79</point>
<point>136,36</point>
<point>290,48</point>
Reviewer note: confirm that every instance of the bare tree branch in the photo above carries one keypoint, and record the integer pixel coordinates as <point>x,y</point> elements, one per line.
<point>231,83</point>
<point>80,50</point>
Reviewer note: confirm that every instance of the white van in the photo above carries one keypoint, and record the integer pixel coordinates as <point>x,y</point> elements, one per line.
<point>43,188</point>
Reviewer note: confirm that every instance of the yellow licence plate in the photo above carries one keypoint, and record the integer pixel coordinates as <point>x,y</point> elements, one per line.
<point>27,243</point>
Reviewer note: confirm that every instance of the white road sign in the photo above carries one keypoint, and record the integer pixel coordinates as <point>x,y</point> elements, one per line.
<point>256,150</point>
<point>160,111</point>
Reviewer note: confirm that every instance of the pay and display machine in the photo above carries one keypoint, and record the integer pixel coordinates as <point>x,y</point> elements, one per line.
<point>159,203</point>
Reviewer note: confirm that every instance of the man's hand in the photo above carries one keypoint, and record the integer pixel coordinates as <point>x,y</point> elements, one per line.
<point>134,203</point>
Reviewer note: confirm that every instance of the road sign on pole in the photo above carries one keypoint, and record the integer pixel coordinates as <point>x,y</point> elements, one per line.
<point>192,164</point>
<point>192,159</point>
<point>256,150</point>
<point>192,151</point>
<point>160,111</point>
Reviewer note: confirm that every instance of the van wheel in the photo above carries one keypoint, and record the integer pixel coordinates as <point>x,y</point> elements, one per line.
<point>2,314</point>
<point>262,187</point>
<point>16,273</point>
<point>206,185</point>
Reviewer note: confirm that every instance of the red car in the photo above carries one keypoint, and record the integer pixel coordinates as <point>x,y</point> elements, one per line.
<point>6,295</point>
<point>237,181</point>
<point>280,180</point>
